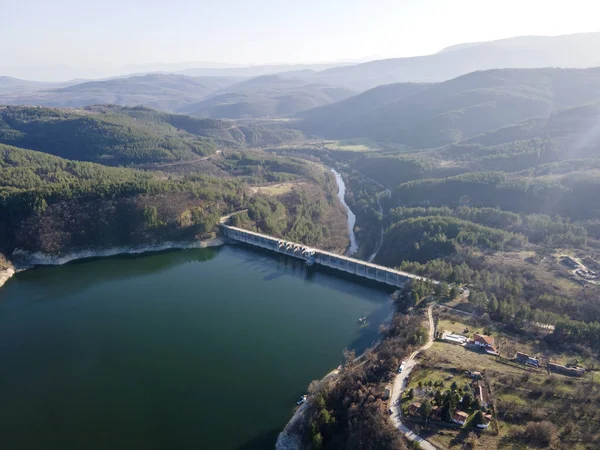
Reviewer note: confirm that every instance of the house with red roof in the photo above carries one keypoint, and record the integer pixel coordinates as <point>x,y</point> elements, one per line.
<point>484,342</point>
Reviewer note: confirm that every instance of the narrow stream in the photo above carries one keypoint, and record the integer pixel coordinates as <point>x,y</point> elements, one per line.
<point>353,247</point>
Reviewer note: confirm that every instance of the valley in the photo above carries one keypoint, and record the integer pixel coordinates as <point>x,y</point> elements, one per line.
<point>476,166</point>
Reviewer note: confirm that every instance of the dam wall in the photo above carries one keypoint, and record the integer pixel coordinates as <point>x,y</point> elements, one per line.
<point>312,256</point>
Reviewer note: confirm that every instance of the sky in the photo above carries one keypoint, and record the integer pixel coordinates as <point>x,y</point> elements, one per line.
<point>115,33</point>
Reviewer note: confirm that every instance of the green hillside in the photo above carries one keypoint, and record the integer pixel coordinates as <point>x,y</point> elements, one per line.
<point>121,135</point>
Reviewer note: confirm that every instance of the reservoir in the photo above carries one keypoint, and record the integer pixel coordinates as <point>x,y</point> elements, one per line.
<point>194,349</point>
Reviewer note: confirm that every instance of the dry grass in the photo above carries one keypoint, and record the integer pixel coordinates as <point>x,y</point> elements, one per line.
<point>352,145</point>
<point>274,190</point>
<point>548,272</point>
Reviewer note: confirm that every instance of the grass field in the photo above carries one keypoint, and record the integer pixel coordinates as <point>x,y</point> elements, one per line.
<point>352,145</point>
<point>275,189</point>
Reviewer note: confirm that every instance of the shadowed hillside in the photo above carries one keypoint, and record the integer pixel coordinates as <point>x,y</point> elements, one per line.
<point>457,109</point>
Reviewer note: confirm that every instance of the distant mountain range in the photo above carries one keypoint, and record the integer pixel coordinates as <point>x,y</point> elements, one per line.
<point>166,92</point>
<point>258,92</point>
<point>13,86</point>
<point>576,51</point>
<point>217,97</point>
<point>65,74</point>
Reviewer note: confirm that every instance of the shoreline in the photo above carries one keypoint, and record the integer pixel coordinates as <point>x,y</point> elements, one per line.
<point>5,275</point>
<point>40,259</point>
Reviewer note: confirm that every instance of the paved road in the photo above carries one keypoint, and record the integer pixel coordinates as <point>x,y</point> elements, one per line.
<point>400,385</point>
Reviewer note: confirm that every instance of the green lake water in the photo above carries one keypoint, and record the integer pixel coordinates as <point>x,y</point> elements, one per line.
<point>194,349</point>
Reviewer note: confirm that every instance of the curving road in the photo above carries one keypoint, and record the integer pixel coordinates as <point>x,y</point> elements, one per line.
<point>400,385</point>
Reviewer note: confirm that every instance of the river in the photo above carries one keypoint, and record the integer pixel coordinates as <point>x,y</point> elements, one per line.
<point>203,348</point>
<point>353,247</point>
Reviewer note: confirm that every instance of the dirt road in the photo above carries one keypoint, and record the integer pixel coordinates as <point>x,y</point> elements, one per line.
<point>400,385</point>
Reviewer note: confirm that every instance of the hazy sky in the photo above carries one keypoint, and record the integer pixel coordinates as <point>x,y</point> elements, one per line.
<point>119,32</point>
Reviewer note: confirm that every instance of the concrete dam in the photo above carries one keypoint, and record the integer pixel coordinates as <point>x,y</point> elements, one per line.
<point>315,256</point>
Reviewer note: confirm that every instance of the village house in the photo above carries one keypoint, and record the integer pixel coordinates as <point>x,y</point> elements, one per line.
<point>484,342</point>
<point>460,417</point>
<point>436,413</point>
<point>414,409</point>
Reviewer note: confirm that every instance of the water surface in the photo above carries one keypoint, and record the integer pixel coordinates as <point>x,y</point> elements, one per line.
<point>195,349</point>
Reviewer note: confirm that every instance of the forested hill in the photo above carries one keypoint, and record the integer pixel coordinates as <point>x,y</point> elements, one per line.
<point>121,135</point>
<point>457,109</point>
<point>55,205</point>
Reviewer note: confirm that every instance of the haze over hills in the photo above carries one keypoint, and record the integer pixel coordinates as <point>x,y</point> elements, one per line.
<point>12,86</point>
<point>300,87</point>
<point>260,70</point>
<point>65,73</point>
<point>162,91</point>
<point>576,51</point>
<point>267,96</point>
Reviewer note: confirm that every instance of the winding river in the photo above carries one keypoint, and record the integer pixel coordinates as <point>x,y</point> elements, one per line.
<point>353,247</point>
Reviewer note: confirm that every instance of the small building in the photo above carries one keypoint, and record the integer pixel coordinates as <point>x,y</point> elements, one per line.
<point>484,342</point>
<point>454,338</point>
<point>572,371</point>
<point>414,409</point>
<point>526,359</point>
<point>569,262</point>
<point>387,393</point>
<point>481,393</point>
<point>436,413</point>
<point>474,375</point>
<point>487,418</point>
<point>460,417</point>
